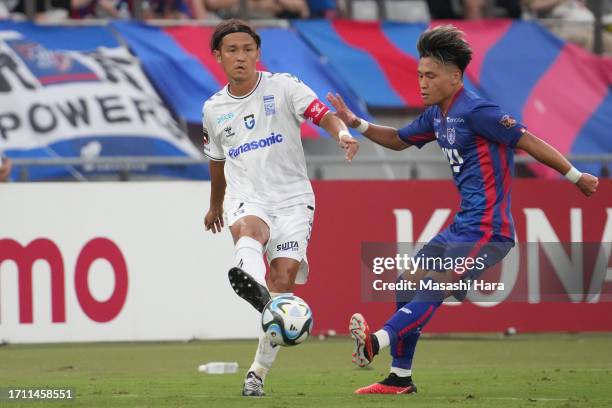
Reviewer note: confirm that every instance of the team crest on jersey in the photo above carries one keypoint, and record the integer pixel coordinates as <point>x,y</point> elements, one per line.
<point>507,121</point>
<point>228,131</point>
<point>249,121</point>
<point>269,105</point>
<point>450,135</point>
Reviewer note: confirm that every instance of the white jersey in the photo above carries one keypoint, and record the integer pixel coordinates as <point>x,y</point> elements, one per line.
<point>258,136</point>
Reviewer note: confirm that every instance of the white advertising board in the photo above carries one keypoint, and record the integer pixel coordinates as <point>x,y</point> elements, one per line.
<point>115,262</point>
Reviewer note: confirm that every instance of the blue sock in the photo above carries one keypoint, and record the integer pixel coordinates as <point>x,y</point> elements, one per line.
<point>413,315</point>
<point>403,352</point>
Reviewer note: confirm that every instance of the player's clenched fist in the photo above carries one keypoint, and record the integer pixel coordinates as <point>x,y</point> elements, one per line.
<point>587,184</point>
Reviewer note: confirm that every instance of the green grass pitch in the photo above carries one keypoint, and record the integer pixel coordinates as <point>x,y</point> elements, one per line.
<point>483,371</point>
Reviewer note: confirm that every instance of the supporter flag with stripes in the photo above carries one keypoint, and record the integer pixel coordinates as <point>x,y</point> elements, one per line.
<point>561,92</point>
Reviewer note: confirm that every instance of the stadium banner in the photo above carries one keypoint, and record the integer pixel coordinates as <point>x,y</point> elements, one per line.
<point>351,213</point>
<point>132,262</point>
<point>82,103</point>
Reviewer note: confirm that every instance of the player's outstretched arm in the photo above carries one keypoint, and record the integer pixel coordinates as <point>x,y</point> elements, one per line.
<point>382,135</point>
<point>337,128</point>
<point>214,217</point>
<point>548,155</point>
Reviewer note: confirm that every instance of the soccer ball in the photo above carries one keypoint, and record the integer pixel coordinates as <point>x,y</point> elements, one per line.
<point>286,320</point>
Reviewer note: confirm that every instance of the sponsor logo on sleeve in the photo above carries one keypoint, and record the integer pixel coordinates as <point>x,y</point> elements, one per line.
<point>507,121</point>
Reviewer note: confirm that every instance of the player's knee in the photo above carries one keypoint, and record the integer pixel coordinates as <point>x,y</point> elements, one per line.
<point>282,276</point>
<point>280,282</point>
<point>254,230</point>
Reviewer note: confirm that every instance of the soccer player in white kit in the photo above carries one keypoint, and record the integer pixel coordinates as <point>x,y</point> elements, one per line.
<point>259,182</point>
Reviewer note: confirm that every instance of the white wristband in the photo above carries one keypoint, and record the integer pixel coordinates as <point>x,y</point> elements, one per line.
<point>363,125</point>
<point>343,133</point>
<point>573,175</point>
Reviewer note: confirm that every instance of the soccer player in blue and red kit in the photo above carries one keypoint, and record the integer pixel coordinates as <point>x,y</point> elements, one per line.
<point>478,138</point>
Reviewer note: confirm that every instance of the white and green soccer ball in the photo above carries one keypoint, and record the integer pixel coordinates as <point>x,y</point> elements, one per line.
<point>287,320</point>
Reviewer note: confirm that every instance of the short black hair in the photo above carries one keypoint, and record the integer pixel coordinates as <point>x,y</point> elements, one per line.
<point>229,27</point>
<point>446,44</point>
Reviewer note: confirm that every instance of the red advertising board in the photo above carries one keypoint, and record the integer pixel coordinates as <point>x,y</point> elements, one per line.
<point>350,213</point>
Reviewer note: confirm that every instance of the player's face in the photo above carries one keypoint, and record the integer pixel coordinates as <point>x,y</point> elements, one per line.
<point>438,82</point>
<point>238,55</point>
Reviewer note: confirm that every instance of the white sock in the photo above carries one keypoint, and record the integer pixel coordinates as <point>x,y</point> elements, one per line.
<point>383,339</point>
<point>265,354</point>
<point>248,255</point>
<point>401,372</point>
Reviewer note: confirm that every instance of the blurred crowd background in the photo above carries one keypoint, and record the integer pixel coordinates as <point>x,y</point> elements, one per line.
<point>563,16</point>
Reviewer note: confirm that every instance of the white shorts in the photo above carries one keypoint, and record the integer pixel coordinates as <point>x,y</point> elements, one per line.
<point>290,230</point>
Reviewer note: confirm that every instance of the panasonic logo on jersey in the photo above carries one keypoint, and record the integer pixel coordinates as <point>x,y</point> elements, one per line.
<point>256,144</point>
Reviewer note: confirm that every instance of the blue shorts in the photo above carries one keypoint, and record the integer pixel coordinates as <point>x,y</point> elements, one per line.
<point>452,246</point>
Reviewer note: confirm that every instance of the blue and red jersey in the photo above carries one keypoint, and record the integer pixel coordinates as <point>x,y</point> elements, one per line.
<point>478,139</point>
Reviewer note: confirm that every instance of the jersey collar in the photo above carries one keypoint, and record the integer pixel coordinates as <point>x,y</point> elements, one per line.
<point>247,95</point>
<point>455,97</point>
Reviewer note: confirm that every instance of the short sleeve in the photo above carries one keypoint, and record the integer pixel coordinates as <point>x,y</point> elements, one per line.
<point>212,147</point>
<point>303,101</point>
<point>420,131</point>
<point>492,123</point>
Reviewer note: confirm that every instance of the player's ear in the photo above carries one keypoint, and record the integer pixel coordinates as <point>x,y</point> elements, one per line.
<point>217,55</point>
<point>457,76</point>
